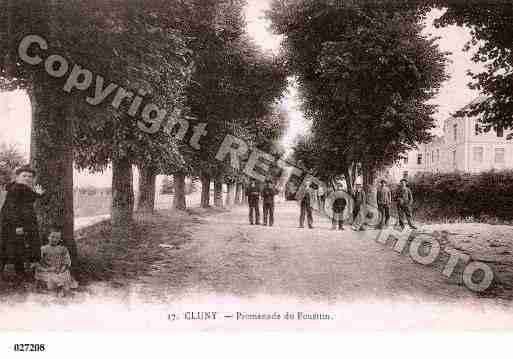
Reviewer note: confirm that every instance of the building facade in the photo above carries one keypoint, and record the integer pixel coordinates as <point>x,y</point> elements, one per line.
<point>465,147</point>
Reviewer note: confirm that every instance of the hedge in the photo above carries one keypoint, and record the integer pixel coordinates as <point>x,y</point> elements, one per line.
<point>463,195</point>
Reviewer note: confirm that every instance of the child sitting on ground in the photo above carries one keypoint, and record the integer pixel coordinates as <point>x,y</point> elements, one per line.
<point>54,268</point>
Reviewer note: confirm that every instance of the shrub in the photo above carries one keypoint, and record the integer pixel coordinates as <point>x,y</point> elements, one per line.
<point>10,159</point>
<point>168,186</point>
<point>463,195</point>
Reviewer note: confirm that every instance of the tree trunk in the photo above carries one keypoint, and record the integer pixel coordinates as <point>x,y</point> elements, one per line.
<point>238,194</point>
<point>218,192</point>
<point>244,197</point>
<point>205,191</point>
<point>51,156</point>
<point>350,173</point>
<point>122,198</point>
<point>349,180</point>
<point>369,175</point>
<point>179,191</point>
<point>230,194</point>
<point>147,187</point>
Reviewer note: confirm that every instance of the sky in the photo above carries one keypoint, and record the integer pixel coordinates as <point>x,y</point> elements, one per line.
<point>15,112</point>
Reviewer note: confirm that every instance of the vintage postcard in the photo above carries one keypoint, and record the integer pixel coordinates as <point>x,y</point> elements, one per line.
<point>172,166</point>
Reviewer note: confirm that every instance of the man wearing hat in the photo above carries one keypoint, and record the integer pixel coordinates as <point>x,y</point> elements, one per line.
<point>404,202</point>
<point>268,194</point>
<point>384,199</point>
<point>20,235</point>
<point>253,194</point>
<point>360,203</point>
<point>306,198</point>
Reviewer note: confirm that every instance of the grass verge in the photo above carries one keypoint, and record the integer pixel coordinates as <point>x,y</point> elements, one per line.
<point>101,260</point>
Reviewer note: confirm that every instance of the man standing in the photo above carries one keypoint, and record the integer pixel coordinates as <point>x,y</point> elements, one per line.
<point>384,199</point>
<point>253,194</point>
<point>306,202</point>
<point>404,202</point>
<point>268,194</point>
<point>339,205</point>
<point>360,201</point>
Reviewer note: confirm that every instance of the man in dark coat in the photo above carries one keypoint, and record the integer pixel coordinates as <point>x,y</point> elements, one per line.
<point>339,206</point>
<point>384,200</point>
<point>268,194</point>
<point>360,202</point>
<point>404,202</point>
<point>253,194</point>
<point>20,241</point>
<point>306,202</point>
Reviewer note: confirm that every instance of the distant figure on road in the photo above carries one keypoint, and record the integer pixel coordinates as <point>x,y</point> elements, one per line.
<point>360,201</point>
<point>404,202</point>
<point>384,199</point>
<point>339,205</point>
<point>253,194</point>
<point>305,203</point>
<point>268,194</point>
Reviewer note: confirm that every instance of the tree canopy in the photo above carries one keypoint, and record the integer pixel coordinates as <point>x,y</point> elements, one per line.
<point>365,73</point>
<point>491,30</point>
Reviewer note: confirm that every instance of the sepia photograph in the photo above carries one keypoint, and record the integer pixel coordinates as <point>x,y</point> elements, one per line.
<point>171,166</point>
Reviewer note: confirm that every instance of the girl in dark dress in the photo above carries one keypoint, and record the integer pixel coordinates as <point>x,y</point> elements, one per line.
<point>20,241</point>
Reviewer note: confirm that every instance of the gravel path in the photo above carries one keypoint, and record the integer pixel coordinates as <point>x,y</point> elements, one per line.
<point>228,256</point>
<point>218,262</point>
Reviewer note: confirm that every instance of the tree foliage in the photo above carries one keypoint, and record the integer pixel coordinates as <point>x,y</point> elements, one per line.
<point>234,86</point>
<point>491,29</point>
<point>10,159</point>
<point>365,74</point>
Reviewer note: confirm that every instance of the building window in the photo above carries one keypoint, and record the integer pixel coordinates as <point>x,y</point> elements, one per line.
<point>437,155</point>
<point>499,155</point>
<point>455,132</point>
<point>478,154</point>
<point>433,156</point>
<point>500,131</point>
<point>454,159</point>
<point>405,174</point>
<point>419,159</point>
<point>477,130</point>
<point>406,160</point>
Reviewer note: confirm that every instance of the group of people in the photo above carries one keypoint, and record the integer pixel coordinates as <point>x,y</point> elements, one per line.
<point>48,265</point>
<point>268,193</point>
<point>403,197</point>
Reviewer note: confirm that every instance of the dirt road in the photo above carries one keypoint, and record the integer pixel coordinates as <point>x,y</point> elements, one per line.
<point>228,256</point>
<point>221,264</point>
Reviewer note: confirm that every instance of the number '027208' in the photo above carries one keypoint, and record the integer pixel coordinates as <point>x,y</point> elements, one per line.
<point>29,347</point>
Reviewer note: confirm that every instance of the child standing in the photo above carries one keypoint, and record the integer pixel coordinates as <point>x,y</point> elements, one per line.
<point>54,268</point>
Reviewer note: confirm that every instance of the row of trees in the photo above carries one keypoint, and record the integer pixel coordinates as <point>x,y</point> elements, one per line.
<point>191,58</point>
<point>366,73</point>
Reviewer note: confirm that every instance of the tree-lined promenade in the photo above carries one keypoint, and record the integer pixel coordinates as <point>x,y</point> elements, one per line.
<point>191,59</point>
<point>365,73</point>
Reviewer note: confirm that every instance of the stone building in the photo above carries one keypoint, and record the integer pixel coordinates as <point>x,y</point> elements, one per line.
<point>465,146</point>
